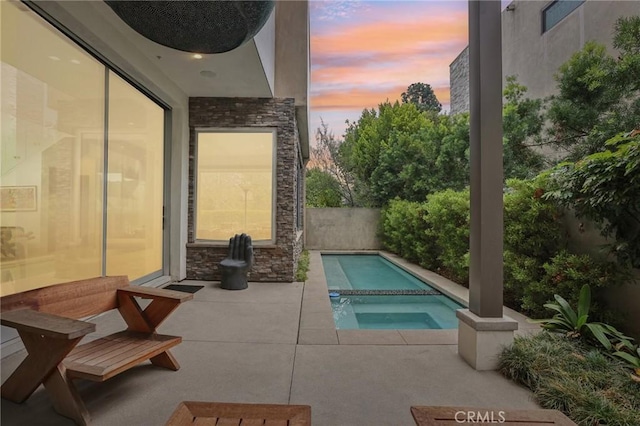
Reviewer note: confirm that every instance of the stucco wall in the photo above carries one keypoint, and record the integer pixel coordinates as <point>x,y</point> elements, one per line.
<point>534,57</point>
<point>342,229</point>
<point>277,262</point>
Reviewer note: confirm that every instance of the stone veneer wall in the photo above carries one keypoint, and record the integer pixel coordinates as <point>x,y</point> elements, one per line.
<point>459,82</point>
<point>277,262</point>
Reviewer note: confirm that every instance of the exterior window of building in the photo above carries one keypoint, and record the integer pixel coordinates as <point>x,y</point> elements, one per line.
<point>235,189</point>
<point>52,168</point>
<point>557,11</point>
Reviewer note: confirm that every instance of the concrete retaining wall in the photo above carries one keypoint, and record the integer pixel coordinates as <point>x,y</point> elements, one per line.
<point>342,229</point>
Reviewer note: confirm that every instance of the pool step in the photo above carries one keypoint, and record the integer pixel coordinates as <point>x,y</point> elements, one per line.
<point>335,274</point>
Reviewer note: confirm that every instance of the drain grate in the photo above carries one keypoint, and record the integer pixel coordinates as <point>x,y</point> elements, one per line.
<point>386,292</point>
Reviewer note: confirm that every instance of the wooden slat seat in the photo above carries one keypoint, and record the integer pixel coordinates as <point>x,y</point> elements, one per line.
<point>103,358</point>
<point>474,416</point>
<point>48,321</point>
<point>234,414</point>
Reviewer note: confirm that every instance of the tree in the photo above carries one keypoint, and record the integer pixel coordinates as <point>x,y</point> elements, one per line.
<point>522,122</point>
<point>605,188</point>
<point>326,156</point>
<point>322,190</point>
<point>599,95</point>
<point>397,151</point>
<point>422,96</point>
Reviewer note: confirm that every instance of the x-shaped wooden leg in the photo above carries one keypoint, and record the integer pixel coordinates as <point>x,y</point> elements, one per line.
<point>65,397</point>
<point>147,321</point>
<point>44,354</point>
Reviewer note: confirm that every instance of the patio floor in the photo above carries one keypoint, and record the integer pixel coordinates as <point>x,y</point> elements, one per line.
<point>276,343</point>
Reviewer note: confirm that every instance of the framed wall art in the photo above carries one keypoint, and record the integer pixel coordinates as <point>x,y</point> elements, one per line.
<point>18,198</point>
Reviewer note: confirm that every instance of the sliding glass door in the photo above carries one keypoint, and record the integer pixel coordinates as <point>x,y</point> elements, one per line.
<point>135,177</point>
<point>81,170</point>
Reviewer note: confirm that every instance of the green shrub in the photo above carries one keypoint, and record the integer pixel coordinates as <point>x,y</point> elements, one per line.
<point>567,375</point>
<point>404,232</point>
<point>303,266</point>
<point>578,323</point>
<point>532,225</point>
<point>604,187</point>
<point>532,234</point>
<point>448,217</point>
<point>537,265</point>
<point>520,272</point>
<point>564,274</point>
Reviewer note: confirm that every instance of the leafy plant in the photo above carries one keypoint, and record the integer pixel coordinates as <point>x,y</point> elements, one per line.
<point>632,359</point>
<point>564,274</point>
<point>576,324</point>
<point>448,216</point>
<point>404,228</point>
<point>522,120</point>
<point>598,94</point>
<point>605,188</point>
<point>322,189</point>
<point>303,266</point>
<point>567,374</point>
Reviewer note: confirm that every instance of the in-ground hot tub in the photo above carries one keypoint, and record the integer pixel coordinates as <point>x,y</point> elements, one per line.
<point>370,292</point>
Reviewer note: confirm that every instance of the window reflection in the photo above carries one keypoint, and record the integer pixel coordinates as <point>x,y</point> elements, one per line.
<point>235,185</point>
<point>52,94</point>
<point>134,182</point>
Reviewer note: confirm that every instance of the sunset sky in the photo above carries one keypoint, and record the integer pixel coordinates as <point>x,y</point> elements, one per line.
<point>364,52</point>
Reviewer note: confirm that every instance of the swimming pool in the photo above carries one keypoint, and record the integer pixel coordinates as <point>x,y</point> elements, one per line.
<point>367,272</point>
<point>369,292</point>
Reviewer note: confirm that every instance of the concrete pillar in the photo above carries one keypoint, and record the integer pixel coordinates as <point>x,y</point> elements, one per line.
<point>483,329</point>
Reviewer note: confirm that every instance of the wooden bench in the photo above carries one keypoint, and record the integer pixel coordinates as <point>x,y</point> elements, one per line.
<point>233,414</point>
<point>47,320</point>
<point>449,416</point>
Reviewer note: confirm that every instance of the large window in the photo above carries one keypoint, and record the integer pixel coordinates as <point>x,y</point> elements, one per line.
<point>134,182</point>
<point>557,11</point>
<point>57,222</point>
<point>235,184</point>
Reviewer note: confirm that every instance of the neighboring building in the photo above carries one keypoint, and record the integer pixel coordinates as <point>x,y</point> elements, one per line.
<point>538,37</point>
<point>121,156</point>
<point>459,83</point>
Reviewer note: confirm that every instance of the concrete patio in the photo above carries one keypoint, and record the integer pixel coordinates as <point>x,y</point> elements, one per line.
<point>276,343</point>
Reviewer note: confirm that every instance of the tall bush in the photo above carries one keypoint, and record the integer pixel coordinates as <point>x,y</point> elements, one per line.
<point>404,232</point>
<point>533,233</point>
<point>448,216</point>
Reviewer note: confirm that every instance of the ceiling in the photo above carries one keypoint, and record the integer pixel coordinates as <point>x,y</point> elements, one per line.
<point>238,73</point>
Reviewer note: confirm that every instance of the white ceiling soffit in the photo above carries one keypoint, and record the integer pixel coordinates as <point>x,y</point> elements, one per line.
<point>238,73</point>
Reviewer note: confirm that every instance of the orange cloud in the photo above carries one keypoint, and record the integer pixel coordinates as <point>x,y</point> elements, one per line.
<point>365,98</point>
<point>407,70</point>
<point>391,36</point>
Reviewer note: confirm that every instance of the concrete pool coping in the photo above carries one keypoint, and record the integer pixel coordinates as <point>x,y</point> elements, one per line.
<point>316,318</point>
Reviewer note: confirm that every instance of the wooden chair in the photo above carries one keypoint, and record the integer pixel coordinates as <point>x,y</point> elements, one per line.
<point>233,414</point>
<point>47,320</point>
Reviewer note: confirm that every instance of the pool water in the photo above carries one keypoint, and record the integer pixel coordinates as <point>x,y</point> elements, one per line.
<point>394,312</point>
<point>367,272</point>
<point>364,274</point>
